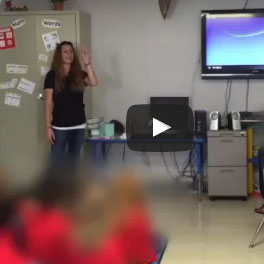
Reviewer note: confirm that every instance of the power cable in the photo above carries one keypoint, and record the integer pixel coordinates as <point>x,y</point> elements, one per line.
<point>247,95</point>
<point>245,5</point>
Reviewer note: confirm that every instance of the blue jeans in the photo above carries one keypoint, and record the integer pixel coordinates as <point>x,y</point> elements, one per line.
<point>73,139</point>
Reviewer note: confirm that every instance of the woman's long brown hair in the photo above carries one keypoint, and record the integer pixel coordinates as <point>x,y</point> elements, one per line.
<point>75,76</point>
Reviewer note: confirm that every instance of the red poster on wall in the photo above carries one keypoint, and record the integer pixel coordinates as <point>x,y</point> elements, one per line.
<point>7,38</point>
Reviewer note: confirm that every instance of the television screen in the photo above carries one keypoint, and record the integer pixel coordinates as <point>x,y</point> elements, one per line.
<point>233,44</point>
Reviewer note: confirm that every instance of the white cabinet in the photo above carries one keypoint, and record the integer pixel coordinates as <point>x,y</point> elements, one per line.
<point>23,145</point>
<point>227,163</point>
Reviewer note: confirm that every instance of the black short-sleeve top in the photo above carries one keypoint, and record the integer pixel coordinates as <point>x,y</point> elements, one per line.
<point>68,106</point>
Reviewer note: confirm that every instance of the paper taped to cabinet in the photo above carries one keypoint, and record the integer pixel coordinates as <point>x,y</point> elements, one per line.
<point>51,23</point>
<point>8,85</point>
<point>12,99</point>
<point>16,68</point>
<point>43,57</point>
<point>26,86</point>
<point>51,40</point>
<point>18,23</point>
<point>7,38</point>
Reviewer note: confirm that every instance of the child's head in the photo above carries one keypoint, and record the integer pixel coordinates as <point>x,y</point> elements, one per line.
<point>92,215</point>
<point>59,186</point>
<point>8,199</point>
<point>127,188</point>
<point>83,200</point>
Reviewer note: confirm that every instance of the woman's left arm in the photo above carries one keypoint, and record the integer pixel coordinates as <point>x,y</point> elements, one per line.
<point>87,60</point>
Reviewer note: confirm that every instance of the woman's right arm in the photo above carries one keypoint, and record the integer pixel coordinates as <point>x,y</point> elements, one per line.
<point>48,112</point>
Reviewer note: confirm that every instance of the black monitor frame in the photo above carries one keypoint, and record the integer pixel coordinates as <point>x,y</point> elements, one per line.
<point>229,72</point>
<point>184,100</point>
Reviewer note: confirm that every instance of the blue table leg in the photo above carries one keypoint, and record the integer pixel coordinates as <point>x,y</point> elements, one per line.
<point>103,149</point>
<point>200,169</point>
<point>94,150</point>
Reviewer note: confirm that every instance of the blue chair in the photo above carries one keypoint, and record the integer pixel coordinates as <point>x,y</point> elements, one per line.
<point>261,187</point>
<point>161,244</point>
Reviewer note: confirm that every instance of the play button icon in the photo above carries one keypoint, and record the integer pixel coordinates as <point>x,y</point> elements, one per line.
<point>159,127</point>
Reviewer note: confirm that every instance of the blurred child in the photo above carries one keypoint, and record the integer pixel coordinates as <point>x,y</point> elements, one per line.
<point>135,227</point>
<point>11,242</point>
<point>70,219</point>
<point>67,221</point>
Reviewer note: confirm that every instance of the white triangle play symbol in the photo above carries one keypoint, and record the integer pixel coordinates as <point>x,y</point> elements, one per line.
<point>159,127</point>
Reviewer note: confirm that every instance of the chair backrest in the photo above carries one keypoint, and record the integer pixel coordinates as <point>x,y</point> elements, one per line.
<point>261,174</point>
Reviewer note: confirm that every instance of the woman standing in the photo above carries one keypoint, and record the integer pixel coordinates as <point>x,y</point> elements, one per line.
<point>64,107</point>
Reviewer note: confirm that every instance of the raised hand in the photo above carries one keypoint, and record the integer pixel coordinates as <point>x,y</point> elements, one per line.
<point>86,56</point>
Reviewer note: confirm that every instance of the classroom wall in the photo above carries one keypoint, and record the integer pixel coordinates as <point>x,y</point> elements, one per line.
<point>136,54</point>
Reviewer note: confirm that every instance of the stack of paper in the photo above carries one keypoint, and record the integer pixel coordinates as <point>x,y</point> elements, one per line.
<point>93,126</point>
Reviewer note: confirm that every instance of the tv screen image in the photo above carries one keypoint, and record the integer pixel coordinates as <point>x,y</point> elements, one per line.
<point>233,43</point>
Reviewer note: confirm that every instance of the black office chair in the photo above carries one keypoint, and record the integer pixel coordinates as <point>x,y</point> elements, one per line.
<point>261,187</point>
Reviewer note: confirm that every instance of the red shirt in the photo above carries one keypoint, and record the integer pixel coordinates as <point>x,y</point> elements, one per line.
<point>137,237</point>
<point>9,252</point>
<point>48,235</point>
<point>48,238</point>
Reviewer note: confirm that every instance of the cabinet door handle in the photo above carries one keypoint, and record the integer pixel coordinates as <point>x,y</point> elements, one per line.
<point>226,140</point>
<point>40,96</point>
<point>227,170</point>
<point>227,134</point>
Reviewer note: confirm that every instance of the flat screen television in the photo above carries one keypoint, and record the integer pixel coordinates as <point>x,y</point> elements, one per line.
<point>232,44</point>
